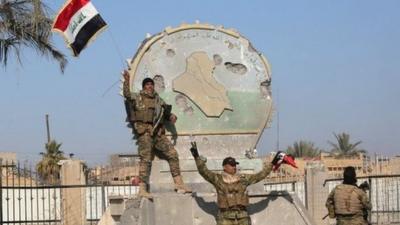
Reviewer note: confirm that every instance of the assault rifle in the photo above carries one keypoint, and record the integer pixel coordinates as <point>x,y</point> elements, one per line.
<point>165,114</point>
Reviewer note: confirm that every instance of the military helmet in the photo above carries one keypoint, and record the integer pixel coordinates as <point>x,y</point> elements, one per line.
<point>349,175</point>
<point>147,80</point>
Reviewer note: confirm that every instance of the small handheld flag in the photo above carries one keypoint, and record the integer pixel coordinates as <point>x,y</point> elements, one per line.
<point>79,22</point>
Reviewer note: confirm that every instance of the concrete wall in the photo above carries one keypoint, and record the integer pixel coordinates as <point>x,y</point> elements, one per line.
<point>316,193</point>
<point>201,209</point>
<point>73,199</point>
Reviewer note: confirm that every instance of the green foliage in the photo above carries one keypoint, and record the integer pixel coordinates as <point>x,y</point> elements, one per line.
<point>26,23</point>
<point>303,149</point>
<point>343,147</point>
<point>48,168</point>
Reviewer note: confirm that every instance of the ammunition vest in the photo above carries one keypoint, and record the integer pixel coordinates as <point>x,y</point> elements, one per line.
<point>347,200</point>
<point>231,195</point>
<point>144,108</point>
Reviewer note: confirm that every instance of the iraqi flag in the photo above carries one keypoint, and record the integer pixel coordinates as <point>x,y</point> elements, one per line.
<point>79,22</point>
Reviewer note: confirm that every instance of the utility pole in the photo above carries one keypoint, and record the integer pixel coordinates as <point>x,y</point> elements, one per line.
<point>48,128</point>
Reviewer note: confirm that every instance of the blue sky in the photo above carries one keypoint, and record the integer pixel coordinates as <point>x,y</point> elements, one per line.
<point>335,68</point>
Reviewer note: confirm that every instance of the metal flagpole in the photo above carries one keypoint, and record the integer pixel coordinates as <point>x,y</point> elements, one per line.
<point>277,115</point>
<point>117,49</point>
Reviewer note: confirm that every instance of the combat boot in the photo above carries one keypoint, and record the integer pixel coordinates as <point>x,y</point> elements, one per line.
<point>180,187</point>
<point>143,191</point>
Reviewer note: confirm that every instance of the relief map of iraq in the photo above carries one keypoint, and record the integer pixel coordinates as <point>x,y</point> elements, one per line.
<point>214,78</point>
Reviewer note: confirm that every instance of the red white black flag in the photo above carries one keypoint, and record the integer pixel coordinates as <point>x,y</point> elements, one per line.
<point>79,22</point>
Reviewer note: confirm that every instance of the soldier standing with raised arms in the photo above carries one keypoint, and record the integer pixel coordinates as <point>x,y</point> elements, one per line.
<point>232,197</point>
<point>347,202</point>
<point>147,113</point>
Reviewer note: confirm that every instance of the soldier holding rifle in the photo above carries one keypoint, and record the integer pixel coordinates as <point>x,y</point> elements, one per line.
<point>147,113</point>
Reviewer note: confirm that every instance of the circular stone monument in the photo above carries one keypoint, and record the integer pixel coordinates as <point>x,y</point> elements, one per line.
<point>217,83</point>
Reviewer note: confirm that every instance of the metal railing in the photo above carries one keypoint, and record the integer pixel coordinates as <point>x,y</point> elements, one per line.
<point>25,199</point>
<point>297,187</point>
<point>384,195</point>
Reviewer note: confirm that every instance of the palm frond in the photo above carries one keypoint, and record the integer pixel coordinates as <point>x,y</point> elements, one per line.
<point>28,22</point>
<point>48,168</point>
<point>303,149</point>
<point>343,147</point>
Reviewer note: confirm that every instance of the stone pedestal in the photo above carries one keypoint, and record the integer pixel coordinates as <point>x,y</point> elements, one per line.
<point>316,193</point>
<point>73,199</point>
<point>175,209</point>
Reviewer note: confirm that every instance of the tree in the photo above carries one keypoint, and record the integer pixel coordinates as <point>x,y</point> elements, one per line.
<point>343,147</point>
<point>26,23</point>
<point>303,149</point>
<point>48,168</point>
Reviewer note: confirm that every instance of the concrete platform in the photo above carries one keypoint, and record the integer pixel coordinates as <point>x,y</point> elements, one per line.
<point>201,209</point>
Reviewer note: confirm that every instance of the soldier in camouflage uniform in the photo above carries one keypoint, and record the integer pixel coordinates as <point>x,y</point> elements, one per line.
<point>347,202</point>
<point>147,113</point>
<point>366,212</point>
<point>232,197</point>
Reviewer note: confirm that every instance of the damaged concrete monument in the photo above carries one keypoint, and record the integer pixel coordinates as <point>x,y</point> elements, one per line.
<point>219,88</point>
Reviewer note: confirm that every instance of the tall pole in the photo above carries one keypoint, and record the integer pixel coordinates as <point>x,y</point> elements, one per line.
<point>277,115</point>
<point>48,128</point>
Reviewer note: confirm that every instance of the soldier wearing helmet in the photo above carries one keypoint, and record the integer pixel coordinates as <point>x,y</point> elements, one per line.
<point>147,113</point>
<point>347,202</point>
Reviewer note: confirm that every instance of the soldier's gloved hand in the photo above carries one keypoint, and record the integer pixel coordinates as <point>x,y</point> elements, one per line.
<point>282,157</point>
<point>193,150</point>
<point>278,159</point>
<point>173,118</point>
<point>125,74</point>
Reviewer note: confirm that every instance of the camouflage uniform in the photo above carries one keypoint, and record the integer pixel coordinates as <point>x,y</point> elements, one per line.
<point>347,203</point>
<point>231,192</point>
<point>144,111</point>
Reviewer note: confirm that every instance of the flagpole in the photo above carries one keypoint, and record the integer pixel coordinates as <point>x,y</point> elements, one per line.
<point>69,19</point>
<point>117,49</point>
<point>277,126</point>
<point>116,46</point>
<point>109,88</point>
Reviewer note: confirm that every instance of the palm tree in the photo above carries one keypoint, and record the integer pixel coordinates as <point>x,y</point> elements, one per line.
<point>48,168</point>
<point>303,149</point>
<point>343,147</point>
<point>26,23</point>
